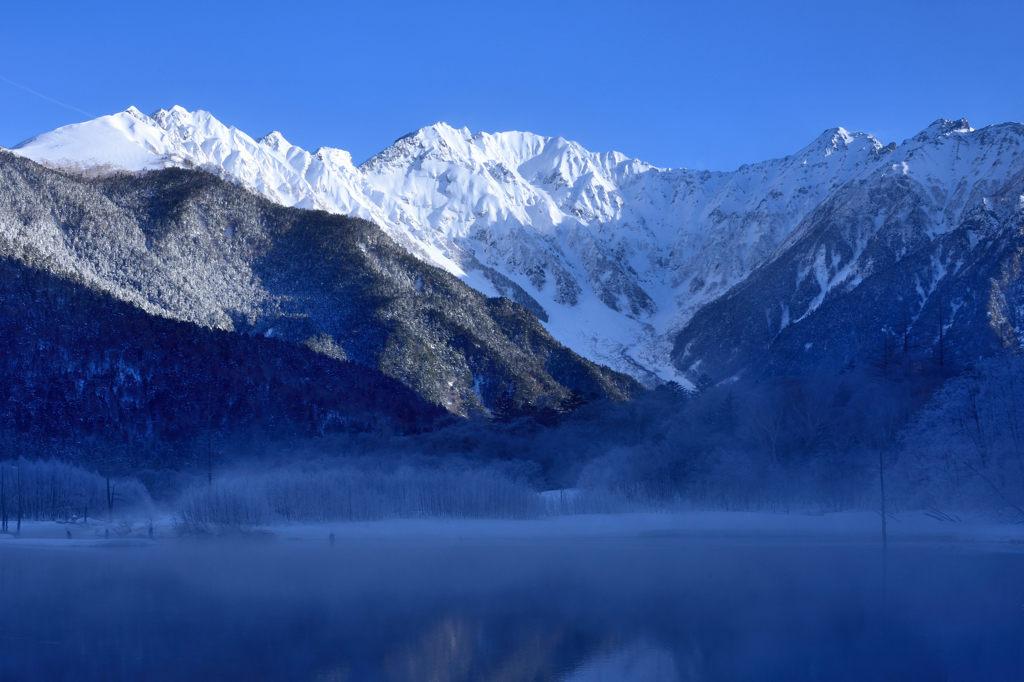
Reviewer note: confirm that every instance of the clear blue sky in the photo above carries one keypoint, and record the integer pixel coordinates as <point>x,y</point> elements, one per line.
<point>703,85</point>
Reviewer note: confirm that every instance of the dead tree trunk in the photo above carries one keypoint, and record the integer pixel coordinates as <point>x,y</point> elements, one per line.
<point>110,500</point>
<point>21,501</point>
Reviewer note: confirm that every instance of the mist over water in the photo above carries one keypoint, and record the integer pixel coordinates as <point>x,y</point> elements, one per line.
<point>661,607</point>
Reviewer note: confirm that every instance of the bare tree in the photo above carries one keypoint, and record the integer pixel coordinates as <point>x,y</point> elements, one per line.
<point>110,499</point>
<point>21,500</point>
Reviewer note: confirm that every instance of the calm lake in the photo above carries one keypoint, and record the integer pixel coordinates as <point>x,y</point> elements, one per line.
<point>648,607</point>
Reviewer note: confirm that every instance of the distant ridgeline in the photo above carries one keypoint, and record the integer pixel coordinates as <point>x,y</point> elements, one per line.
<point>155,306</point>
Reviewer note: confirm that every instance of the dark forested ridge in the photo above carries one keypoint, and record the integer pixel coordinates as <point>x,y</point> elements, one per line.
<point>186,245</point>
<point>81,368</point>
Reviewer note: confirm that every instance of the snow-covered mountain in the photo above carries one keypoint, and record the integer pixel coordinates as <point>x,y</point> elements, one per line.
<point>919,256</point>
<point>615,255</point>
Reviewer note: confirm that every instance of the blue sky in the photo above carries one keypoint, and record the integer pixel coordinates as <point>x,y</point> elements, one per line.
<point>703,85</point>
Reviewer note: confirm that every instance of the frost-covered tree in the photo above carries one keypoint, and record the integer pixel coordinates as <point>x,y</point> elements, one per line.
<point>966,447</point>
<point>53,490</point>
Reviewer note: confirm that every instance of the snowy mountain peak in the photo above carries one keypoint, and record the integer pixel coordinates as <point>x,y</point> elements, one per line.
<point>121,141</point>
<point>839,139</point>
<point>189,123</point>
<point>275,140</point>
<point>337,157</point>
<point>942,127</point>
<point>180,113</point>
<point>439,141</point>
<point>442,130</point>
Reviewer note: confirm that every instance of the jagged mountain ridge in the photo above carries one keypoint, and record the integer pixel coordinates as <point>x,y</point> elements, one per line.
<point>615,255</point>
<point>192,247</point>
<point>611,252</point>
<point>889,265</point>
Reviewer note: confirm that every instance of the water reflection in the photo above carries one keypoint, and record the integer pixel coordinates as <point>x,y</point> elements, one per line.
<point>445,609</point>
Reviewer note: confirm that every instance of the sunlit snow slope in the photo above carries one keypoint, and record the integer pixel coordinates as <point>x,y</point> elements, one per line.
<point>613,254</point>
